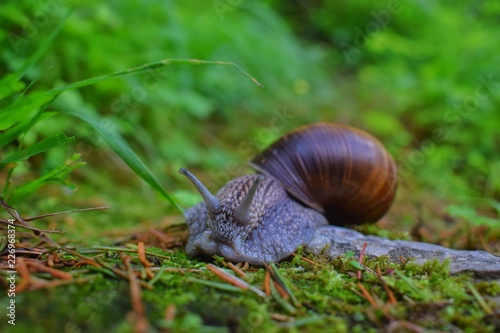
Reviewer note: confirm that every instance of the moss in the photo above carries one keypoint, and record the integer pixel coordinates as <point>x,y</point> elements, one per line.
<point>490,288</point>
<point>328,294</point>
<point>96,306</point>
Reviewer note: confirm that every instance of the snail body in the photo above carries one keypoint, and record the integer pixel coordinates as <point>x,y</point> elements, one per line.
<point>319,174</point>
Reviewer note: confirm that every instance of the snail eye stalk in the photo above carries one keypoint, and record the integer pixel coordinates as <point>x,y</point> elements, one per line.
<point>242,212</point>
<point>213,204</point>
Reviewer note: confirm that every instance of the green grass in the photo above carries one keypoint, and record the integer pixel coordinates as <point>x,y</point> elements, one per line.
<point>21,107</point>
<point>327,297</point>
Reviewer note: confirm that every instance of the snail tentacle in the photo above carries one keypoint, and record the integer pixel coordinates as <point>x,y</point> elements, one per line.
<point>213,204</point>
<point>242,212</point>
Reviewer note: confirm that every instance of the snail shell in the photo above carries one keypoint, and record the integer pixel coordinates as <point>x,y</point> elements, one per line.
<point>338,170</point>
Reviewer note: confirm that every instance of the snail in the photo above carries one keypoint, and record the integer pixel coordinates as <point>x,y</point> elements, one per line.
<point>315,175</point>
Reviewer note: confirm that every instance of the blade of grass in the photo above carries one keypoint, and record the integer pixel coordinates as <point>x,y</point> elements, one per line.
<point>55,174</point>
<point>33,218</point>
<point>12,133</point>
<point>44,47</point>
<point>410,283</point>
<point>10,85</point>
<point>151,66</point>
<point>22,127</point>
<point>157,275</point>
<point>302,321</point>
<point>283,302</point>
<point>218,285</point>
<point>236,281</point>
<point>480,299</point>
<point>281,281</point>
<point>114,139</point>
<point>118,144</point>
<point>6,186</point>
<point>37,148</point>
<point>24,108</point>
<point>131,250</point>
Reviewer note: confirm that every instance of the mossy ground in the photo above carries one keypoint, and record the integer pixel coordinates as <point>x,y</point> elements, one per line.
<point>329,297</point>
<point>187,297</point>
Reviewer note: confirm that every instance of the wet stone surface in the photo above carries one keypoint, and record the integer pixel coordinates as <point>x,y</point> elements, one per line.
<point>481,264</point>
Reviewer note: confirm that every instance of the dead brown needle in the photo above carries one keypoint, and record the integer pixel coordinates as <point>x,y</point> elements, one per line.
<point>235,281</point>
<point>267,283</point>
<point>238,271</point>
<point>360,260</point>
<point>23,271</point>
<point>141,323</point>
<point>143,260</point>
<point>367,295</point>
<point>390,294</point>
<point>54,272</point>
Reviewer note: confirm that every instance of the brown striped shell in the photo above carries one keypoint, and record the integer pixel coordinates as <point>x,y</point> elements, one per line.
<point>336,169</point>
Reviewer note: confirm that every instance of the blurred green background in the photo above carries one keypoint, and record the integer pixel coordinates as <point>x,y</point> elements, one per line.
<point>423,77</point>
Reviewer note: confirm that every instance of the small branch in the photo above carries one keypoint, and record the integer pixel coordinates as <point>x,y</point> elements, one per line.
<point>39,233</point>
<point>20,225</point>
<point>14,213</point>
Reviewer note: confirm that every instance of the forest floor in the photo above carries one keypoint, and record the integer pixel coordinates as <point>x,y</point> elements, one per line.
<point>141,280</point>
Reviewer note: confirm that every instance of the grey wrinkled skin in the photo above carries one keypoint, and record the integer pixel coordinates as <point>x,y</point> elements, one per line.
<point>278,225</point>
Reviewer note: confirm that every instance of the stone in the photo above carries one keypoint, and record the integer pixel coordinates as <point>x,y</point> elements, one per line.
<point>334,241</point>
